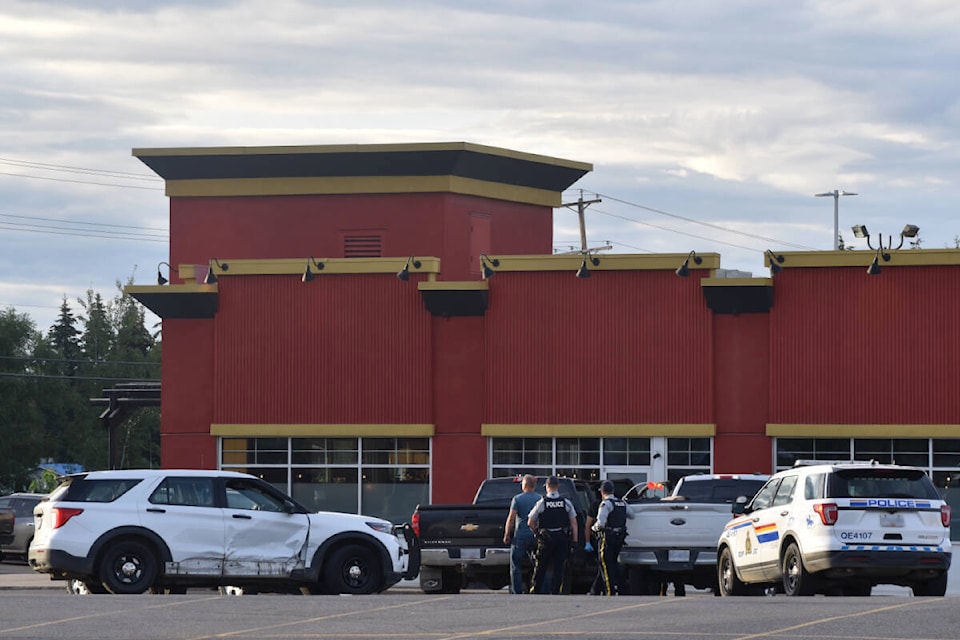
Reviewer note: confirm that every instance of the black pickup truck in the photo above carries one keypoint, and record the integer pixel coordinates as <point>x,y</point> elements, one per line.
<point>463,543</point>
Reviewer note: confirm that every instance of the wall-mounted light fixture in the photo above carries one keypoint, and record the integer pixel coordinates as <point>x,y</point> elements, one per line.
<point>211,276</point>
<point>307,274</point>
<point>860,231</point>
<point>404,274</point>
<point>684,269</point>
<point>160,279</point>
<point>487,264</point>
<point>583,271</point>
<point>776,260</point>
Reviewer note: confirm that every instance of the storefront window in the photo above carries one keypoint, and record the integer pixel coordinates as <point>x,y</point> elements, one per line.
<point>626,451</point>
<point>382,477</point>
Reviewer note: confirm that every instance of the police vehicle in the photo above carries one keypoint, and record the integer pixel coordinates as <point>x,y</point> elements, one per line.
<point>838,528</point>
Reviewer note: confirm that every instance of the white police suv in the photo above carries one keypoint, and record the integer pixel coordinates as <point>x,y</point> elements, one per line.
<point>838,528</point>
<point>138,530</point>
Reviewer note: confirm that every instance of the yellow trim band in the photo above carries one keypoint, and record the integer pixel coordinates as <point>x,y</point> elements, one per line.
<point>898,258</point>
<point>187,287</point>
<point>608,262</point>
<point>361,184</point>
<point>863,430</point>
<point>588,430</point>
<point>292,266</point>
<point>320,430</point>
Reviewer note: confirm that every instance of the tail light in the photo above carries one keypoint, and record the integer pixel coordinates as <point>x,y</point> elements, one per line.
<point>946,514</point>
<point>827,512</point>
<point>62,515</point>
<point>415,523</point>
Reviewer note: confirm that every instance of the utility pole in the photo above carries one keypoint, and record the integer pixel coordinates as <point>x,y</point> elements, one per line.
<point>581,206</point>
<point>836,193</point>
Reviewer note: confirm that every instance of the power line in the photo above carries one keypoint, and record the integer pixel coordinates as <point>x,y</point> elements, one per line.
<point>50,377</point>
<point>10,225</point>
<point>124,175</point>
<point>80,234</point>
<point>100,184</point>
<point>98,224</point>
<point>698,222</point>
<point>78,360</point>
<point>683,233</point>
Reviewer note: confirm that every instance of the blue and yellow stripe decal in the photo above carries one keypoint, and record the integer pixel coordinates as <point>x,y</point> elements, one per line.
<point>767,532</point>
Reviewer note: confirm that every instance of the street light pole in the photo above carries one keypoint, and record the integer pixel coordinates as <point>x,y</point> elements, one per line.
<point>836,193</point>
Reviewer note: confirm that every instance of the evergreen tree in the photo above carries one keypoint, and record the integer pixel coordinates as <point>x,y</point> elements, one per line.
<point>21,435</point>
<point>64,338</point>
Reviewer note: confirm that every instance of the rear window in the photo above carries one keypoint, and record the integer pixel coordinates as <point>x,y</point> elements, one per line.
<point>503,491</point>
<point>719,491</point>
<point>100,490</point>
<point>881,483</point>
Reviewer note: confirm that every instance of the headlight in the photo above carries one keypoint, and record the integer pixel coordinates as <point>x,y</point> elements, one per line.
<point>382,527</point>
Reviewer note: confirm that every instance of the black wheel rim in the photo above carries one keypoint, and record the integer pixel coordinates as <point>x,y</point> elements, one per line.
<point>128,569</point>
<point>355,573</point>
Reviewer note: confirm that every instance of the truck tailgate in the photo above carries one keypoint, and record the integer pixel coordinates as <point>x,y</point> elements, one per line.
<point>675,524</point>
<point>463,526</point>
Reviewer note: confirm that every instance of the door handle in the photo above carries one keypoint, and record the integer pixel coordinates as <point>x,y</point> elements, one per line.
<point>784,513</point>
<point>242,516</point>
<point>155,510</point>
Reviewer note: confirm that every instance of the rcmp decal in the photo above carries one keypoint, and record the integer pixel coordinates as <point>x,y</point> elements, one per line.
<point>767,532</point>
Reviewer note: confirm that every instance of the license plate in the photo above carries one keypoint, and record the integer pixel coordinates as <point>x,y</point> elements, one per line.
<point>678,555</point>
<point>470,554</point>
<point>891,519</point>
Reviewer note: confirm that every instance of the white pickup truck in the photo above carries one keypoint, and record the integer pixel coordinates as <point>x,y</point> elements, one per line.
<point>675,539</point>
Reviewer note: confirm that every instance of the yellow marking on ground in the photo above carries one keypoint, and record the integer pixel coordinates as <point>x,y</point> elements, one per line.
<point>125,611</point>
<point>331,616</point>
<point>488,632</point>
<point>831,619</point>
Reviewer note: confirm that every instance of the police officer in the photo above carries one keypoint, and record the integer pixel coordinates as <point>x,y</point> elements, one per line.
<point>554,521</point>
<point>610,529</point>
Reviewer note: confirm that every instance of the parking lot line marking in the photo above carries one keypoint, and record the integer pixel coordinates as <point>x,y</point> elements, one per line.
<point>832,619</point>
<point>125,611</point>
<point>487,632</point>
<point>319,618</point>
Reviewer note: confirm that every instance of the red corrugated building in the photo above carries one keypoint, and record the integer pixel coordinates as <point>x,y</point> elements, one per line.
<point>292,350</point>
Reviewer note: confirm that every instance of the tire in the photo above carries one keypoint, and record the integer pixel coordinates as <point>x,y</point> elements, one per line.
<point>128,567</point>
<point>354,569</point>
<point>728,583</point>
<point>935,587</point>
<point>84,588</point>
<point>797,581</point>
<point>451,580</point>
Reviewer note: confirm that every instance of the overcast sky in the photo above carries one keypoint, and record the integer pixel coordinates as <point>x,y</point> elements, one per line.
<point>710,124</point>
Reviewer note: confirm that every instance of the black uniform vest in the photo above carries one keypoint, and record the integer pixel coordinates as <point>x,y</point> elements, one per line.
<point>554,514</point>
<point>617,518</point>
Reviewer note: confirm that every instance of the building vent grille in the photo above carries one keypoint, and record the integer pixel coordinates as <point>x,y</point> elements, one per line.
<point>362,245</point>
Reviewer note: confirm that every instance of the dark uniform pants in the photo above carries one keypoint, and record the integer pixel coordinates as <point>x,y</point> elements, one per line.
<point>609,580</point>
<point>550,557</point>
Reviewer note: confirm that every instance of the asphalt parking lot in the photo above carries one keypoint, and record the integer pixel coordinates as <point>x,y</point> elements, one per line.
<point>40,609</point>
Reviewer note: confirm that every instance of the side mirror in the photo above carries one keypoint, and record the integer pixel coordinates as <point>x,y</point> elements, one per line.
<point>739,506</point>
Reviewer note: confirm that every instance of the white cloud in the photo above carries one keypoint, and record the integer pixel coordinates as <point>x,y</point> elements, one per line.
<point>731,113</point>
